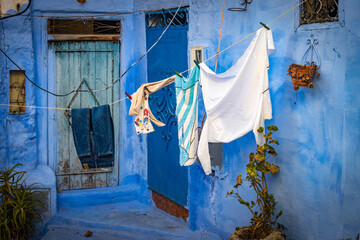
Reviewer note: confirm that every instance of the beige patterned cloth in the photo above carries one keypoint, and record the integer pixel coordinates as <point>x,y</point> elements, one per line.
<point>137,103</point>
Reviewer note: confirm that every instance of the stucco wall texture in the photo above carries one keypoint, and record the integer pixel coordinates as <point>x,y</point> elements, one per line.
<point>318,184</point>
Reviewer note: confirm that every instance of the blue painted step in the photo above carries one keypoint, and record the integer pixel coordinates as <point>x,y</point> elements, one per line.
<point>127,220</point>
<point>99,196</point>
<point>60,232</point>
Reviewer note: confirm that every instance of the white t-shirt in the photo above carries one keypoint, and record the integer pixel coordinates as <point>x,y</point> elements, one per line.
<point>237,101</point>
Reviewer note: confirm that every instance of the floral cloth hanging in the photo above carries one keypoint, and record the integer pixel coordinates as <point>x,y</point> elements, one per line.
<point>140,105</point>
<point>142,120</point>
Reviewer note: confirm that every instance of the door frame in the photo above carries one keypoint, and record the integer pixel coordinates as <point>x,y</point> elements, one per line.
<point>52,113</point>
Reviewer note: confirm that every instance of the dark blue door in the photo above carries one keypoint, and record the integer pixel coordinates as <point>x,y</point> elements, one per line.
<point>165,175</point>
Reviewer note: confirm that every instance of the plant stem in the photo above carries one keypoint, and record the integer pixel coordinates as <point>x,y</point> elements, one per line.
<point>246,205</point>
<point>264,180</point>
<point>257,197</point>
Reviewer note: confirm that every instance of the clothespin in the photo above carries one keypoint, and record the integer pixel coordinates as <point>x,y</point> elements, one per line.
<point>128,95</point>
<point>177,73</point>
<point>265,26</point>
<point>197,64</point>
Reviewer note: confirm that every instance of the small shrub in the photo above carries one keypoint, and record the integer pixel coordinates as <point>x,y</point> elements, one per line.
<point>18,203</point>
<point>262,222</point>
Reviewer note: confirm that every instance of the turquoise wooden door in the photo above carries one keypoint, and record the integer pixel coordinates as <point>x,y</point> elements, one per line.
<point>165,175</point>
<point>98,64</point>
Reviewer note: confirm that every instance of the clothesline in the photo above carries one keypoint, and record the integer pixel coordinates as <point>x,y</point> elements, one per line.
<point>53,108</point>
<point>79,16</point>
<point>182,71</point>
<point>92,16</point>
<point>107,87</point>
<point>249,35</point>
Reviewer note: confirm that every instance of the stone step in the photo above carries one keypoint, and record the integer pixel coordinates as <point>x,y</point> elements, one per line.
<point>115,213</point>
<point>123,220</point>
<point>74,232</point>
<point>99,196</point>
<point>61,231</point>
<point>130,216</point>
<point>131,228</point>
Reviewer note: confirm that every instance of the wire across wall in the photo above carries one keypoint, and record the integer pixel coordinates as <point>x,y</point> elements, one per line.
<point>122,75</point>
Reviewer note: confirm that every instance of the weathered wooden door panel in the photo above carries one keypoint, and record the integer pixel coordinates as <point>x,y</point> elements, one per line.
<point>98,64</point>
<point>165,175</point>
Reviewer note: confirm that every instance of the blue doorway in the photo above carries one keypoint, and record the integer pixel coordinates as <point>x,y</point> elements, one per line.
<point>165,175</point>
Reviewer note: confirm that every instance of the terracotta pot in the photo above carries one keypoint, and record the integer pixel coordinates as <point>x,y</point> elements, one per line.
<point>302,75</point>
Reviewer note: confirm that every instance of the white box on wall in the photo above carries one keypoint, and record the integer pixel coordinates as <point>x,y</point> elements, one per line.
<point>196,53</point>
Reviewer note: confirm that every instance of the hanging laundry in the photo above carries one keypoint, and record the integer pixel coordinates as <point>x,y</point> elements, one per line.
<point>93,132</point>
<point>81,128</point>
<point>237,101</point>
<point>140,106</point>
<point>187,115</point>
<point>142,120</point>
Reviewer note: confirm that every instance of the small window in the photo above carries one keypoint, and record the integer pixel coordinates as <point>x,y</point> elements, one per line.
<point>17,92</point>
<point>319,11</point>
<point>196,54</point>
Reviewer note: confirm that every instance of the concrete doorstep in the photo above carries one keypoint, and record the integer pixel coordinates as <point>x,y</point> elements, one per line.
<point>125,218</point>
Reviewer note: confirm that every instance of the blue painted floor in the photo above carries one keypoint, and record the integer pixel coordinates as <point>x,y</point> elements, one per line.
<point>130,219</point>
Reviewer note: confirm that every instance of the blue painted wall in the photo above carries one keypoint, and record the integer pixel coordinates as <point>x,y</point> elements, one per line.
<point>18,138</point>
<point>318,185</point>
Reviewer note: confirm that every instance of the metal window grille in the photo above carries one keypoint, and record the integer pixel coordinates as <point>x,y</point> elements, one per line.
<point>319,11</point>
<point>83,27</point>
<point>160,19</point>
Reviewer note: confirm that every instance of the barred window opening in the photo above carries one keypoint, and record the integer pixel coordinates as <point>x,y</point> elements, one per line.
<point>319,11</point>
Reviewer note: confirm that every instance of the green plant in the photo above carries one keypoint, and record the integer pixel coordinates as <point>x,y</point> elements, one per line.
<point>18,203</point>
<point>257,168</point>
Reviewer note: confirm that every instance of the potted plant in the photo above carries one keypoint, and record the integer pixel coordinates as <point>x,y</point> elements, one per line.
<point>303,75</point>
<point>18,202</point>
<point>263,208</point>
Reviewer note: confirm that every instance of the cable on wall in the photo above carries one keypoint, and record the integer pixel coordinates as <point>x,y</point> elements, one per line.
<point>189,68</point>
<point>116,81</point>
<point>43,89</point>
<point>17,14</point>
